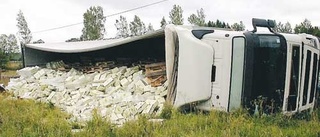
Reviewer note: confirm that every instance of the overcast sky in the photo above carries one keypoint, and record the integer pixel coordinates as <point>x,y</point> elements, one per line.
<point>46,14</point>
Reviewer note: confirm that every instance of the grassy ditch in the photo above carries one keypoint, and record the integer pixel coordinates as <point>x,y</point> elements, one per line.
<point>30,118</point>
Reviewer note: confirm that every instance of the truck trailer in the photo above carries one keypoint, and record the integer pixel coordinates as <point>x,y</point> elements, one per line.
<point>211,68</point>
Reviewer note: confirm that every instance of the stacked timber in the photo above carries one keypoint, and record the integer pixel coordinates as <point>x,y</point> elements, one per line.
<point>156,73</point>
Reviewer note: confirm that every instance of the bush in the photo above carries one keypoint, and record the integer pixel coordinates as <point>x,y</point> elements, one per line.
<point>3,59</point>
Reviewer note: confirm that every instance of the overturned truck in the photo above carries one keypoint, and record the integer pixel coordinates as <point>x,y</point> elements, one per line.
<point>209,68</point>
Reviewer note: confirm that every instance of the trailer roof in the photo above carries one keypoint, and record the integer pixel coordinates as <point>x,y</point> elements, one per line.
<point>86,46</point>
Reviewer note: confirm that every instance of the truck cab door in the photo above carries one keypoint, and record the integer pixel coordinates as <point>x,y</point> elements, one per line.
<point>293,78</point>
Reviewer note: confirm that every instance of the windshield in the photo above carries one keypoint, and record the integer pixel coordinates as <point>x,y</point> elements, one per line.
<point>269,69</point>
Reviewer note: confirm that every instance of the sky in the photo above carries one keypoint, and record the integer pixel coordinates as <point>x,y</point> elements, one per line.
<point>47,14</point>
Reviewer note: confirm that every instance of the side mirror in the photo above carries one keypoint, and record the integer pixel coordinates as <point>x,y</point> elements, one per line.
<point>263,23</point>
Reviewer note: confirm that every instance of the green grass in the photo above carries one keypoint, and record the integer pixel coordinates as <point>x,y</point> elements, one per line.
<point>29,118</point>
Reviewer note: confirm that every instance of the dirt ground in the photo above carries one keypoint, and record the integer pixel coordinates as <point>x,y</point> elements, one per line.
<point>6,75</point>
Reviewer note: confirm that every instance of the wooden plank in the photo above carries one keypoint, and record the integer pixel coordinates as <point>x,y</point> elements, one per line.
<point>156,73</point>
<point>154,70</point>
<point>163,72</point>
<point>155,65</point>
<point>158,81</point>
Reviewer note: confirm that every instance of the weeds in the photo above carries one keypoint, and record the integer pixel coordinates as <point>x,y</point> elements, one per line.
<point>167,111</point>
<point>30,118</point>
<point>96,127</point>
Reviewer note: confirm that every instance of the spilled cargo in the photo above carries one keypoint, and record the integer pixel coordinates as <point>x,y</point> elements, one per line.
<point>119,94</point>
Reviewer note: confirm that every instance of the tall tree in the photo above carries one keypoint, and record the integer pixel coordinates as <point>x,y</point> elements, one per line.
<point>3,59</point>
<point>316,31</point>
<point>137,27</point>
<point>3,56</point>
<point>283,28</point>
<point>218,24</point>
<point>228,26</point>
<point>73,40</point>
<point>122,27</point>
<point>150,28</point>
<point>198,19</point>
<point>13,46</point>
<point>210,24</point>
<point>39,41</point>
<point>3,42</point>
<point>24,32</point>
<point>287,28</point>
<point>6,43</point>
<point>163,22</point>
<point>175,15</point>
<point>93,21</point>
<point>238,27</point>
<point>304,27</point>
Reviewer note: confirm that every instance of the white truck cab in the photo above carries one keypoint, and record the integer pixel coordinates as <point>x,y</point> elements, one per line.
<point>225,70</point>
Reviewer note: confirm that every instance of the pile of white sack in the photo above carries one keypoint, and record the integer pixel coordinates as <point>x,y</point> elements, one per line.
<point>119,94</point>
